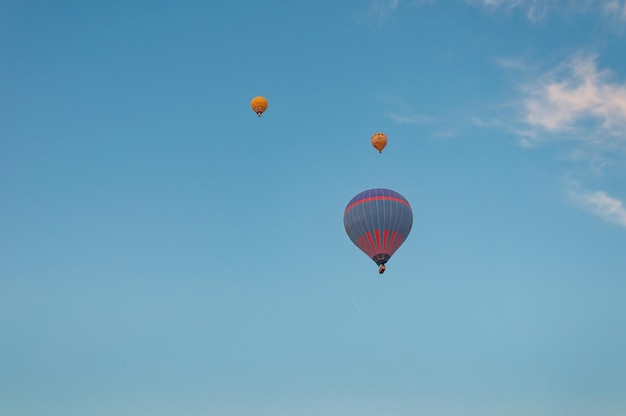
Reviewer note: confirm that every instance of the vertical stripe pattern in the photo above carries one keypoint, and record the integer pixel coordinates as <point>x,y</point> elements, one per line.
<point>378,221</point>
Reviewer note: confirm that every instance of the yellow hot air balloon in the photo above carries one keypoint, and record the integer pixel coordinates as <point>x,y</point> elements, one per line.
<point>259,105</point>
<point>379,141</point>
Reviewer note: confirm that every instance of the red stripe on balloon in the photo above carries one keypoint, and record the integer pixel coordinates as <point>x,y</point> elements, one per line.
<point>377,198</point>
<point>364,244</point>
<point>385,240</point>
<point>397,242</point>
<point>392,239</point>
<point>377,235</point>
<point>369,238</point>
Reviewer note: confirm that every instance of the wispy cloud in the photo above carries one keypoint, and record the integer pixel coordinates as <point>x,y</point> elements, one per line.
<point>527,137</point>
<point>534,9</point>
<point>575,102</point>
<point>579,108</point>
<point>511,63</point>
<point>577,97</point>
<point>381,9</point>
<point>410,119</point>
<point>608,208</point>
<point>576,105</point>
<point>403,113</point>
<point>615,8</point>
<point>538,10</point>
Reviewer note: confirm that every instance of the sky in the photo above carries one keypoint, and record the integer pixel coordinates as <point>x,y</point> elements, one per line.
<point>164,251</point>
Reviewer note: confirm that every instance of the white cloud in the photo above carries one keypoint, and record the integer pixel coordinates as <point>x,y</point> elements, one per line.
<point>615,8</point>
<point>513,64</point>
<point>534,9</point>
<point>410,119</point>
<point>537,10</point>
<point>381,9</point>
<point>601,204</point>
<point>581,107</point>
<point>402,113</point>
<point>578,98</point>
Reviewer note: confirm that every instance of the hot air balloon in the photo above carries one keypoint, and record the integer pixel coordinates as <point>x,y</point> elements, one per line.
<point>259,105</point>
<point>379,141</point>
<point>378,221</point>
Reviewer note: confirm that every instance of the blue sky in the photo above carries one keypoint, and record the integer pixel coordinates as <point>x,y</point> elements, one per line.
<point>164,251</point>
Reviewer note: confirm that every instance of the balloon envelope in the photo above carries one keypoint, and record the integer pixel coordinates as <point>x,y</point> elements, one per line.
<point>259,105</point>
<point>379,141</point>
<point>378,221</point>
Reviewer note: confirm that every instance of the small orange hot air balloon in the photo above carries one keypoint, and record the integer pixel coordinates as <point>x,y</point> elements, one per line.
<point>379,141</point>
<point>259,105</point>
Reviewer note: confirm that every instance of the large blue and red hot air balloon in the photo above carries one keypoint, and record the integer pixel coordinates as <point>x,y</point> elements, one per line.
<point>378,221</point>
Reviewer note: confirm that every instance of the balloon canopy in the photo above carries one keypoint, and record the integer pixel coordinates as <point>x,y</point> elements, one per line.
<point>259,105</point>
<point>378,221</point>
<point>379,141</point>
